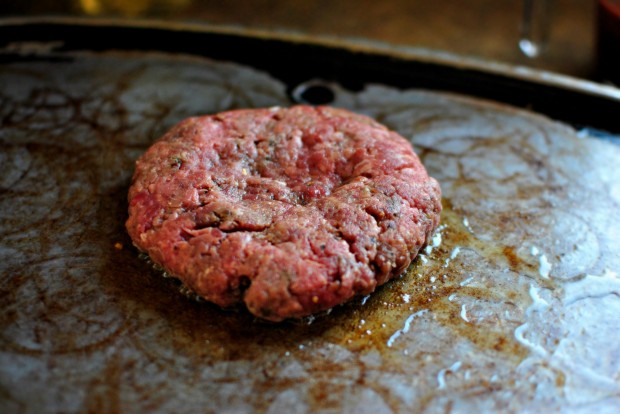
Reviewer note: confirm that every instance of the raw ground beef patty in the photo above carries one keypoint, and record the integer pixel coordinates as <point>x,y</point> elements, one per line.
<point>288,211</point>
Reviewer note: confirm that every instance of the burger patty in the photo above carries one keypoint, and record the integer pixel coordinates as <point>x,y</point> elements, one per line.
<point>288,211</point>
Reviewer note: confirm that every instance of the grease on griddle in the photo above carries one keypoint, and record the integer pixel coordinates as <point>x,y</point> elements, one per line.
<point>435,286</point>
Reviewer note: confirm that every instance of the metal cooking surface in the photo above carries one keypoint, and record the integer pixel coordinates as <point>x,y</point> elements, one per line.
<point>513,307</point>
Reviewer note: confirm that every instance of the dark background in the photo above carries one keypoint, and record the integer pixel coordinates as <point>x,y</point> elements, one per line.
<point>487,29</point>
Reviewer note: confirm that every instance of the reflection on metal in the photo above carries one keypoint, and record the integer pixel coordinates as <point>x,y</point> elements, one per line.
<point>535,27</point>
<point>131,8</point>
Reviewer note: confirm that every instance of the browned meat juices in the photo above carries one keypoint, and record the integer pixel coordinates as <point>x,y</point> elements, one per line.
<point>288,211</point>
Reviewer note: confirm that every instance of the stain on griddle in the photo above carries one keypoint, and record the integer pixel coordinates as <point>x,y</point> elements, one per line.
<point>84,315</point>
<point>205,332</point>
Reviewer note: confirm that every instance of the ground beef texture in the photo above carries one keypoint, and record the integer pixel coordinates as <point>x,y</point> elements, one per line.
<point>285,211</point>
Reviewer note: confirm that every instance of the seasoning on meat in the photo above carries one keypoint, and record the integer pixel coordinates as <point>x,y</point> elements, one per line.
<point>288,211</point>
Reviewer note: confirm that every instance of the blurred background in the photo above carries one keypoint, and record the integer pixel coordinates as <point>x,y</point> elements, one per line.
<point>485,29</point>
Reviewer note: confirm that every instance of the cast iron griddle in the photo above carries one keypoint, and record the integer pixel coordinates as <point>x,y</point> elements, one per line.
<point>513,307</point>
